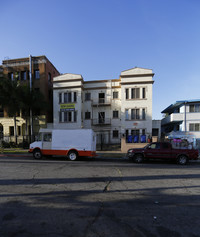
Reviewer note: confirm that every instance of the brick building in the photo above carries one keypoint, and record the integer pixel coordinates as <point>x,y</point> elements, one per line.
<point>42,73</point>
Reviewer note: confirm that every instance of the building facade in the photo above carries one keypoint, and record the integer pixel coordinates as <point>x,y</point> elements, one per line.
<point>112,108</point>
<point>182,116</point>
<point>42,75</point>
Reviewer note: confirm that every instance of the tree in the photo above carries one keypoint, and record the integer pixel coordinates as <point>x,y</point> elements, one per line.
<point>10,92</point>
<point>31,100</point>
<point>16,97</point>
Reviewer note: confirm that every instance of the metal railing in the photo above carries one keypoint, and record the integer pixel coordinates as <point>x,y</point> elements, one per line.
<point>101,102</point>
<point>101,121</point>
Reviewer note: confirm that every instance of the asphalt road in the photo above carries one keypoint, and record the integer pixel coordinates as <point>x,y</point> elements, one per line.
<point>109,197</point>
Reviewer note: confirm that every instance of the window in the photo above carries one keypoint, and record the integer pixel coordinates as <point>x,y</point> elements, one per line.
<point>194,108</point>
<point>60,98</point>
<point>37,74</point>
<point>67,97</point>
<point>135,114</point>
<point>155,146</point>
<point>126,114</point>
<point>165,146</point>
<point>10,76</point>
<point>68,116</point>
<point>75,96</point>
<point>115,114</point>
<point>23,75</point>
<point>87,96</point>
<point>127,94</point>
<point>49,77</point>
<point>60,116</point>
<point>115,95</point>
<point>135,93</point>
<point>87,115</point>
<point>143,93</point>
<point>19,131</point>
<point>47,137</point>
<point>194,127</point>
<point>143,114</point>
<point>11,130</point>
<point>115,134</point>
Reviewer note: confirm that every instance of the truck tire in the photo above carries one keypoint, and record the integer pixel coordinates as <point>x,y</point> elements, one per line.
<point>37,154</point>
<point>138,158</point>
<point>72,155</point>
<point>182,160</point>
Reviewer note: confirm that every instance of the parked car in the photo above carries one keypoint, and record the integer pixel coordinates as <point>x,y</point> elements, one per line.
<point>162,150</point>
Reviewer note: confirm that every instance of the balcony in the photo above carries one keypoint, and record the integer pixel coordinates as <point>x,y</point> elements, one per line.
<point>101,121</point>
<point>173,118</point>
<point>101,102</point>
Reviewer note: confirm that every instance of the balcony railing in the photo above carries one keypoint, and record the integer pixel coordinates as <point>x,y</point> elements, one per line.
<point>101,102</point>
<point>101,121</point>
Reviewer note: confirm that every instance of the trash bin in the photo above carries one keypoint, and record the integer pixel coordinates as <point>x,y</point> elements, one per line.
<point>143,139</point>
<point>130,138</point>
<point>136,139</point>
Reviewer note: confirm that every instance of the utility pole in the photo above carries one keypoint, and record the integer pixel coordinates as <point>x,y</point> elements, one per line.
<point>30,75</point>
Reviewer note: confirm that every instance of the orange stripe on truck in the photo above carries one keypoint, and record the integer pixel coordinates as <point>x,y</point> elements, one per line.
<point>65,152</point>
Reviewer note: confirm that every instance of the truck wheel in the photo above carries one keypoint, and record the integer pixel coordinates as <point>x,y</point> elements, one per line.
<point>37,154</point>
<point>73,155</point>
<point>138,158</point>
<point>182,160</point>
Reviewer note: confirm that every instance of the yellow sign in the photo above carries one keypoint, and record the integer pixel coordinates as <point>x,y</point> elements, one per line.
<point>67,107</point>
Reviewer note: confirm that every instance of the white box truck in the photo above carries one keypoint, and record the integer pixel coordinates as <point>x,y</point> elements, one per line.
<point>72,143</point>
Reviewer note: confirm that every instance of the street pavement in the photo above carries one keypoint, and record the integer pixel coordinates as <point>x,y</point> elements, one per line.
<point>108,196</point>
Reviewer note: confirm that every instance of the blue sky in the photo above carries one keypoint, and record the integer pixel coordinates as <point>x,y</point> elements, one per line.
<point>100,38</point>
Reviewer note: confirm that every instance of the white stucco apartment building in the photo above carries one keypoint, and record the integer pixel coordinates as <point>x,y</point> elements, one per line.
<point>112,108</point>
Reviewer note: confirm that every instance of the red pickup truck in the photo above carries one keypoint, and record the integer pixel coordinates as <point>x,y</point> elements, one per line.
<point>162,150</point>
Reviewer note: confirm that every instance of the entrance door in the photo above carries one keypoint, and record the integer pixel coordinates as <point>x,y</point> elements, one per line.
<point>101,117</point>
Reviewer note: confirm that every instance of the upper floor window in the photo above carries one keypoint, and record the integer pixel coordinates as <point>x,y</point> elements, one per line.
<point>10,75</point>
<point>115,114</point>
<point>127,94</point>
<point>194,108</point>
<point>143,114</point>
<point>75,96</point>
<point>135,114</point>
<point>87,96</point>
<point>23,75</point>
<point>37,74</point>
<point>135,93</point>
<point>60,98</point>
<point>143,93</point>
<point>67,97</point>
<point>194,127</point>
<point>115,94</point>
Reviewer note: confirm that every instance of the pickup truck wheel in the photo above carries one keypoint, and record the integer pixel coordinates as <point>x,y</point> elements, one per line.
<point>138,158</point>
<point>72,155</point>
<point>37,154</point>
<point>182,160</point>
